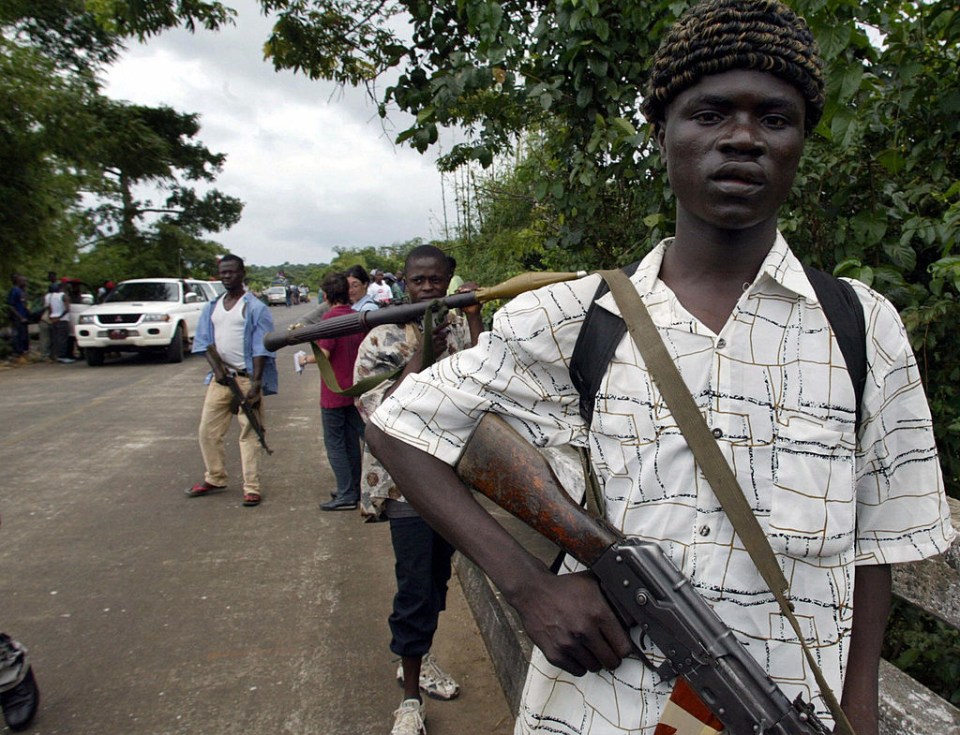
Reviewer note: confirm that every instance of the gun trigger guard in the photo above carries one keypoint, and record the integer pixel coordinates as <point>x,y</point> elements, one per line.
<point>642,656</point>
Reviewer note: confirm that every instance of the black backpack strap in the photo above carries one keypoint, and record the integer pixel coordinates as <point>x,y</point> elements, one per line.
<point>845,314</point>
<point>602,331</point>
<point>599,336</point>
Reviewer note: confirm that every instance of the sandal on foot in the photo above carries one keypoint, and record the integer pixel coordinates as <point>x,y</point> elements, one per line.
<point>204,488</point>
<point>251,499</point>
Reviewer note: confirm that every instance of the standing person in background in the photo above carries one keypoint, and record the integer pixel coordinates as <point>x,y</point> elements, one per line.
<point>359,283</point>
<point>395,289</point>
<point>19,314</point>
<point>735,87</point>
<point>235,323</point>
<point>45,328</point>
<point>455,280</point>
<point>378,289</point>
<point>57,306</point>
<point>422,556</point>
<point>342,425</point>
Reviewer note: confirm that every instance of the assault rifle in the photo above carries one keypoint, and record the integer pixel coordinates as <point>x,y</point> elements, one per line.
<point>642,585</point>
<point>221,375</point>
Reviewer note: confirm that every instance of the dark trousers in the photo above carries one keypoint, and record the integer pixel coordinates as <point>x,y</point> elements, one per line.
<point>342,434</point>
<point>60,338</point>
<point>423,570</point>
<point>21,337</point>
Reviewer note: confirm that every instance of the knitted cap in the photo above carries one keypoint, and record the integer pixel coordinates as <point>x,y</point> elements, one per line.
<point>715,36</point>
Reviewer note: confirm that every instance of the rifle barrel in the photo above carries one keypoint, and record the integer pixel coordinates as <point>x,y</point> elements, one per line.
<point>362,321</point>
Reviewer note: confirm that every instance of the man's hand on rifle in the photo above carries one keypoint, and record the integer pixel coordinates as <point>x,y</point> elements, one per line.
<point>253,395</point>
<point>569,619</point>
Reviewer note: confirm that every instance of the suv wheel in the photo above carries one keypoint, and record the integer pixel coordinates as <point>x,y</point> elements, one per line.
<point>175,348</point>
<point>94,356</point>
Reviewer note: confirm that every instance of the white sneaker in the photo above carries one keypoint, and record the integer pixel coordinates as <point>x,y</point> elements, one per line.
<point>434,681</point>
<point>409,718</point>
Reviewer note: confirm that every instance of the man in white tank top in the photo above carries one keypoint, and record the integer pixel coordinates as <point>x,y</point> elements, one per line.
<point>236,324</point>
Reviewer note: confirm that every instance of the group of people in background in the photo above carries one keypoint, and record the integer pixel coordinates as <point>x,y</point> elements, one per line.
<point>235,325</point>
<point>52,320</point>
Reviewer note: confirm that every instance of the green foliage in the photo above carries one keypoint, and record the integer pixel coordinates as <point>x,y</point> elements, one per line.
<point>61,139</point>
<point>925,648</point>
<point>144,18</point>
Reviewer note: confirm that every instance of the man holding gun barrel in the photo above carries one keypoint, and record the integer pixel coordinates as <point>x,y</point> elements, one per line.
<point>840,490</point>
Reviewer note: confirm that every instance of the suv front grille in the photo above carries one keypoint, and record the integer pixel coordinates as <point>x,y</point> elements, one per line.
<point>109,320</point>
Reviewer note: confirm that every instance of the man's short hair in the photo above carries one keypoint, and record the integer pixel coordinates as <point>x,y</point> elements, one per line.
<point>716,36</point>
<point>427,251</point>
<point>336,288</point>
<point>230,257</point>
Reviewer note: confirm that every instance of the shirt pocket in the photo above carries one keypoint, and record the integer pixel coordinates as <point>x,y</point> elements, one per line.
<point>812,493</point>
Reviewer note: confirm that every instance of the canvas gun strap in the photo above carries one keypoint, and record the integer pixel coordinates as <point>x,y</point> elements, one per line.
<point>435,314</point>
<point>712,463</point>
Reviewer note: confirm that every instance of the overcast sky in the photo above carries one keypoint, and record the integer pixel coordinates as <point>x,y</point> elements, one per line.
<point>314,166</point>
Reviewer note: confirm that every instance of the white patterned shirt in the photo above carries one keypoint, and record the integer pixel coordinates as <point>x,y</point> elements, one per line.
<point>387,348</point>
<point>774,388</point>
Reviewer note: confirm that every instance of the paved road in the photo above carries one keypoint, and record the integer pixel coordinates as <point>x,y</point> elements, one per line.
<point>150,612</point>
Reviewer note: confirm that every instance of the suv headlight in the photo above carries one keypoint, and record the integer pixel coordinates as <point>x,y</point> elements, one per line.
<point>85,319</point>
<point>156,317</point>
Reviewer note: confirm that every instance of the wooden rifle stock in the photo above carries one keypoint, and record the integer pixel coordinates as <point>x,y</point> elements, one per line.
<point>513,474</point>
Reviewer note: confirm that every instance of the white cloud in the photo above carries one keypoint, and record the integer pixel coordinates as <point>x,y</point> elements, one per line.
<point>313,164</point>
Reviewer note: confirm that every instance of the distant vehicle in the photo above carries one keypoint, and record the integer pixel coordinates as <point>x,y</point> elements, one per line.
<point>219,287</point>
<point>276,295</point>
<point>145,314</point>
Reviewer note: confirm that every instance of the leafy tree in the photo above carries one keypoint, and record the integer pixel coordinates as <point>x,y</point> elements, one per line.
<point>144,18</point>
<point>137,146</point>
<point>38,185</point>
<point>56,130</point>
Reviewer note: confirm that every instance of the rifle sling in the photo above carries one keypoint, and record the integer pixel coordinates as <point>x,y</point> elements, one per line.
<point>712,463</point>
<point>372,381</point>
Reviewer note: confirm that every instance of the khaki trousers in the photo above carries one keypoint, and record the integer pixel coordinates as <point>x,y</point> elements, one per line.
<point>214,422</point>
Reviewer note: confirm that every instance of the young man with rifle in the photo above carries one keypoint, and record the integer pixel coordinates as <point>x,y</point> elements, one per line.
<point>422,557</point>
<point>838,491</point>
<point>231,332</point>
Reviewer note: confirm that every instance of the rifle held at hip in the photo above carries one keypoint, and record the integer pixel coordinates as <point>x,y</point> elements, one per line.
<point>221,375</point>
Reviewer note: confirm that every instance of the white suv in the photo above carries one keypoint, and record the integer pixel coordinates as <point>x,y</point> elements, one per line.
<point>145,314</point>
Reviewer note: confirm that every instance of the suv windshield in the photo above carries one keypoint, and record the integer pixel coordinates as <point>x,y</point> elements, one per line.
<point>144,291</point>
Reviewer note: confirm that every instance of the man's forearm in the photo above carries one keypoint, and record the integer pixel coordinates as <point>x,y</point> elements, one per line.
<point>566,616</point>
<point>259,363</point>
<point>434,489</point>
<point>871,607</point>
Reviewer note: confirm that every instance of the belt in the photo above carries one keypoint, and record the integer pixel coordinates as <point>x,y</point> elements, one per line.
<point>240,373</point>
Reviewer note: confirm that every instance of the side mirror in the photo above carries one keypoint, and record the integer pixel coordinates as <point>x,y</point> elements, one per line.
<point>191,298</point>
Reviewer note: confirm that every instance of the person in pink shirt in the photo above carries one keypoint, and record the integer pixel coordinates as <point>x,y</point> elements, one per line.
<point>342,425</point>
